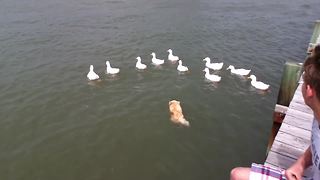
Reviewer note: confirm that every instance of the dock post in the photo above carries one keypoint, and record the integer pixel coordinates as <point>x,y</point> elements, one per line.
<point>289,82</point>
<point>315,38</point>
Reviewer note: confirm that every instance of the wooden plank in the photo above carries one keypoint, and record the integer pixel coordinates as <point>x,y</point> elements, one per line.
<point>315,35</point>
<point>299,114</point>
<point>295,131</point>
<point>298,98</point>
<point>278,160</point>
<point>299,122</point>
<point>283,162</point>
<point>287,149</point>
<point>300,107</point>
<point>297,142</point>
<point>293,137</point>
<point>280,109</point>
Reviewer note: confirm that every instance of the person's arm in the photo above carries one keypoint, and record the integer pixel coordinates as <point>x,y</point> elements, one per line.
<point>295,172</point>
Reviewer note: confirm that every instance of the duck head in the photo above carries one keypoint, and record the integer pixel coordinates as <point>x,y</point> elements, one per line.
<point>206,70</point>
<point>108,63</point>
<point>230,67</point>
<point>206,59</point>
<point>91,67</point>
<point>253,77</point>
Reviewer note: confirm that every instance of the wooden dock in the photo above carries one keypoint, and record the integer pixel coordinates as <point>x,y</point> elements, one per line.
<point>294,135</point>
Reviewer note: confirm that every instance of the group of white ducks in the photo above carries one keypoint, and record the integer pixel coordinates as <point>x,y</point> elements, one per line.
<point>181,68</point>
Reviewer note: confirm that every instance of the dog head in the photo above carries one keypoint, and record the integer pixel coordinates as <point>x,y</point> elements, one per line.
<point>174,102</point>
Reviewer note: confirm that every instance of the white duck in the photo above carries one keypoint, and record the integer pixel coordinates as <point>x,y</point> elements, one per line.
<point>172,57</point>
<point>92,75</point>
<point>258,84</point>
<point>214,66</point>
<point>111,70</point>
<point>241,72</point>
<point>181,67</point>
<point>211,77</point>
<point>139,65</point>
<point>155,60</point>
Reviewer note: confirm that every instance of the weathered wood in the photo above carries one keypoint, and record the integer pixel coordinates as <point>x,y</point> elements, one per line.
<point>278,160</point>
<point>300,107</point>
<point>294,141</point>
<point>295,131</point>
<point>287,150</point>
<point>280,109</point>
<point>293,137</point>
<point>298,122</point>
<point>299,115</point>
<point>315,36</point>
<point>283,162</point>
<point>290,77</point>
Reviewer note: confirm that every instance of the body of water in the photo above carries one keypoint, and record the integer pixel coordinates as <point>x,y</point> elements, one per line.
<point>56,125</point>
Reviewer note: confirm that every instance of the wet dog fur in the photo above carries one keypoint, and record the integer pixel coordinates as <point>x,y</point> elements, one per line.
<point>176,113</point>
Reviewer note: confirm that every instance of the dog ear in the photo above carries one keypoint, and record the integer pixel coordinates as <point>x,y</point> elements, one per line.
<point>170,102</point>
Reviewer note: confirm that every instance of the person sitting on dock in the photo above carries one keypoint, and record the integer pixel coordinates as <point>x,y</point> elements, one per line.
<point>311,95</point>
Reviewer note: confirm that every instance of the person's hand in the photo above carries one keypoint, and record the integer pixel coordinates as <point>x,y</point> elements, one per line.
<point>294,172</point>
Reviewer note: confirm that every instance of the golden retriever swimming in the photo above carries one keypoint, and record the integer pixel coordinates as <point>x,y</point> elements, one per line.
<point>176,113</point>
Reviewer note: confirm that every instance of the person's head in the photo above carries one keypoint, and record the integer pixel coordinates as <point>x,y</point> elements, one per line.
<point>311,85</point>
<point>314,56</point>
<point>316,52</point>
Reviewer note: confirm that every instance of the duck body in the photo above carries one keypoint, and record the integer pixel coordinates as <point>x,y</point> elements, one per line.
<point>172,57</point>
<point>258,84</point>
<point>139,65</point>
<point>111,70</point>
<point>181,67</point>
<point>241,72</point>
<point>211,77</point>
<point>155,60</point>
<point>214,66</point>
<point>92,75</point>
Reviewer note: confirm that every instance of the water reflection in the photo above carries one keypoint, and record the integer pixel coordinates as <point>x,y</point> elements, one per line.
<point>112,77</point>
<point>211,85</point>
<point>96,83</point>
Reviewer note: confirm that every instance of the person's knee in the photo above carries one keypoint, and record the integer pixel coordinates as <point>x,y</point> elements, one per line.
<point>239,173</point>
<point>234,173</point>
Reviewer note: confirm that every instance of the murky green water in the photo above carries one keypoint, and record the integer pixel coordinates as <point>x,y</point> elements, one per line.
<point>54,125</point>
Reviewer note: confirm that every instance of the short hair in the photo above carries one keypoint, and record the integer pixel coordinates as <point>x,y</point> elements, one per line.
<point>315,55</point>
<point>311,76</point>
<point>316,51</point>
